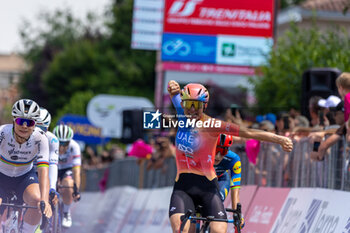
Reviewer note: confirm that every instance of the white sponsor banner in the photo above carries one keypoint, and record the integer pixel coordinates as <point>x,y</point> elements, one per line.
<point>125,200</point>
<point>106,112</point>
<point>242,50</point>
<point>147,24</point>
<point>314,210</point>
<point>130,222</point>
<point>155,212</point>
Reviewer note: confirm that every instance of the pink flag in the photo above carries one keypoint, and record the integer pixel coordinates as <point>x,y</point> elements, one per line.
<point>252,148</point>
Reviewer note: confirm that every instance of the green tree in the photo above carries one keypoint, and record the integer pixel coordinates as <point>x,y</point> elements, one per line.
<point>41,44</point>
<point>297,50</point>
<point>77,105</point>
<point>85,60</point>
<point>288,3</point>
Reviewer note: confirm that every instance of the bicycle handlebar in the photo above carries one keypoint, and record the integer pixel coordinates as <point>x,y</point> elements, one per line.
<point>42,209</point>
<point>19,206</point>
<point>43,217</point>
<point>74,187</point>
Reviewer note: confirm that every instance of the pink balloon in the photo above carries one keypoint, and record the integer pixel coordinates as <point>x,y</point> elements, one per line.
<point>140,149</point>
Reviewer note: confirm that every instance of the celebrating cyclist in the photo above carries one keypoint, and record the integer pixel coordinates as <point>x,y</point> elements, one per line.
<point>20,144</point>
<point>43,122</point>
<point>69,163</point>
<point>228,170</point>
<point>196,180</point>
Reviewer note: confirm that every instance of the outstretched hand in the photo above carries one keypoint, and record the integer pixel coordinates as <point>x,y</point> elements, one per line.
<point>173,87</point>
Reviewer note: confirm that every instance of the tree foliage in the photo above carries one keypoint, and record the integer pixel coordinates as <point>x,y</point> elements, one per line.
<point>296,51</point>
<point>82,59</point>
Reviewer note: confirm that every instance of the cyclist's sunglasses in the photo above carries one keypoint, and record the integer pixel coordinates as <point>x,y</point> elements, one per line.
<point>222,149</point>
<point>64,144</point>
<point>195,103</point>
<point>24,121</point>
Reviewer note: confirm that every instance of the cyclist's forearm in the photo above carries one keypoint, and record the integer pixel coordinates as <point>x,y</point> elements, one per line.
<point>235,197</point>
<point>53,173</point>
<point>76,176</point>
<point>259,135</point>
<point>44,183</point>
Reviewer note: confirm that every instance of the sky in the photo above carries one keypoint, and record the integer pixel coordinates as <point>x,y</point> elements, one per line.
<point>13,12</point>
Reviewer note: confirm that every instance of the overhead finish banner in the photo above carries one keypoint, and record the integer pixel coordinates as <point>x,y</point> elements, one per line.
<point>220,17</point>
<point>222,32</point>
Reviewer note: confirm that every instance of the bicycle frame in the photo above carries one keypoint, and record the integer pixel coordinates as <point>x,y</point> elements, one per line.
<point>14,219</point>
<point>207,220</point>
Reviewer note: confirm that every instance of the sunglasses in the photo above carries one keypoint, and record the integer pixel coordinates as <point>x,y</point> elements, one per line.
<point>64,144</point>
<point>223,150</point>
<point>195,103</point>
<point>24,122</point>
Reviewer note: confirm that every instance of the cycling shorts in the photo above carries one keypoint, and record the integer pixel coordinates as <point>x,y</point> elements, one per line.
<point>192,190</point>
<point>16,184</point>
<point>63,173</point>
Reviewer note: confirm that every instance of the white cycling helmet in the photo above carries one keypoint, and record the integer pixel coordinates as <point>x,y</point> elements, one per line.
<point>26,108</point>
<point>44,118</point>
<point>64,133</point>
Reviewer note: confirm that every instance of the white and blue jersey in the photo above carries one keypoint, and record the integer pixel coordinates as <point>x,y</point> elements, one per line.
<point>228,172</point>
<point>17,159</point>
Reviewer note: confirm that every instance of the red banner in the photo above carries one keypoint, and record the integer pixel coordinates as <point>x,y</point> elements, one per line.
<point>227,17</point>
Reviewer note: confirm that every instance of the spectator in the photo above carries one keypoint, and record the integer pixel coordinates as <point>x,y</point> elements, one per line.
<point>163,149</point>
<point>319,154</point>
<point>92,160</point>
<point>343,85</point>
<point>314,110</point>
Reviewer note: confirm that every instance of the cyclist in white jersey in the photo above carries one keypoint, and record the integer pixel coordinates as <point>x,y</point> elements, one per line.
<point>20,144</point>
<point>43,122</point>
<point>69,165</point>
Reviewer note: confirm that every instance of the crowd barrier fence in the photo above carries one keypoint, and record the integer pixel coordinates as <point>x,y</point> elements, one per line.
<point>274,168</point>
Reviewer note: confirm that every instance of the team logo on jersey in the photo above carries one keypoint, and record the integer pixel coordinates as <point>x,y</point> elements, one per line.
<point>237,167</point>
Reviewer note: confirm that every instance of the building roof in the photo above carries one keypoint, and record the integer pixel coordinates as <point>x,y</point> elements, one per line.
<point>12,63</point>
<point>326,5</point>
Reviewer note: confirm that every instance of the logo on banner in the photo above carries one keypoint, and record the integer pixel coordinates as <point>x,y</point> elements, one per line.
<point>228,50</point>
<point>151,120</point>
<point>179,8</point>
<point>176,46</point>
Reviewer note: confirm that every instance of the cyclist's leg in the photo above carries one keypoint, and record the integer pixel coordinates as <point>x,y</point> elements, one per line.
<point>180,202</point>
<point>30,192</point>
<point>67,193</point>
<point>66,180</point>
<point>213,206</point>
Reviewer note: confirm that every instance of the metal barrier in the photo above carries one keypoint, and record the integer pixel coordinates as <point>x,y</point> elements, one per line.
<point>274,168</point>
<point>130,171</point>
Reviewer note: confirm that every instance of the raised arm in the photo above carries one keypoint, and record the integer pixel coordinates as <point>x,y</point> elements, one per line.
<point>286,143</point>
<point>173,88</point>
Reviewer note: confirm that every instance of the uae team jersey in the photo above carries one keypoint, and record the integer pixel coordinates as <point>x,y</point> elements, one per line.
<point>17,159</point>
<point>71,158</point>
<point>196,142</point>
